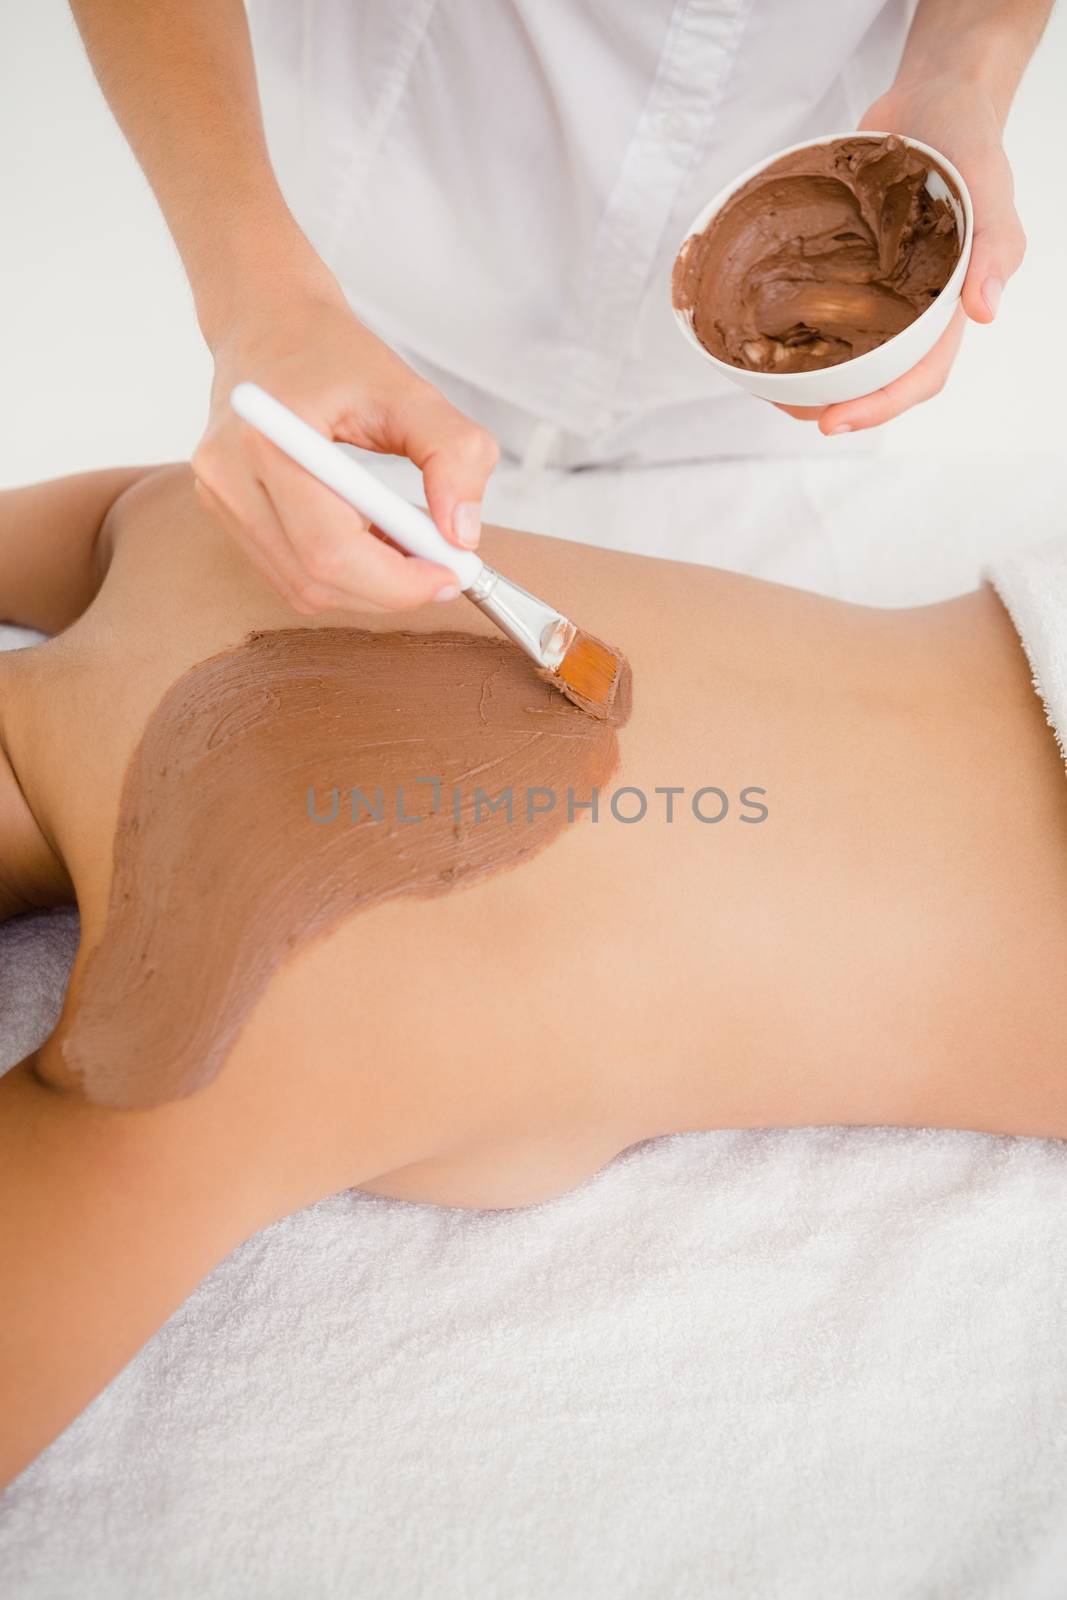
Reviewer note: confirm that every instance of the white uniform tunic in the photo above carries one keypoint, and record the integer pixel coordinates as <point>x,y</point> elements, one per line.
<point>501,187</point>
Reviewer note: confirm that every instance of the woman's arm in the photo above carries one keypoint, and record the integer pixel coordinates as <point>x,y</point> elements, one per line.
<point>988,42</point>
<point>51,558</point>
<point>180,78</point>
<point>102,1235</point>
<point>110,1219</point>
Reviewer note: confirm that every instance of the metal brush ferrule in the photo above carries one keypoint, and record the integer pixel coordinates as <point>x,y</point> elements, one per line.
<point>534,626</point>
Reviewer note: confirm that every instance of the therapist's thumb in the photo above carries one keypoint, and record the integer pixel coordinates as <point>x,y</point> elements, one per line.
<point>999,241</point>
<point>456,457</point>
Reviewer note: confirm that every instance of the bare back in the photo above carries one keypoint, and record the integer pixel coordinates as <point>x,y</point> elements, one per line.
<point>861,890</point>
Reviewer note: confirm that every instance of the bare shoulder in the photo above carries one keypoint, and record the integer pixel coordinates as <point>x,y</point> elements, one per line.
<point>158,491</point>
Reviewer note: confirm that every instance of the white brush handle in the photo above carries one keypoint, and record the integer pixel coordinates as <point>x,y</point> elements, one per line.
<point>412,529</point>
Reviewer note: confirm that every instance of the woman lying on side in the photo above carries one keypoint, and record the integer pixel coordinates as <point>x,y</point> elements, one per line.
<point>856,914</point>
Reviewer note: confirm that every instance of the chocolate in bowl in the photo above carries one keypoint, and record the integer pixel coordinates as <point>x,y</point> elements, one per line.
<point>821,256</point>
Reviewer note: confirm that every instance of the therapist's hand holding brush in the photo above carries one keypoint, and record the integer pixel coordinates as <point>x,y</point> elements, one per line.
<point>179,75</point>
<point>306,348</point>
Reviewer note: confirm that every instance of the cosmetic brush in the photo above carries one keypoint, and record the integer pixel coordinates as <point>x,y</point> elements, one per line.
<point>584,668</point>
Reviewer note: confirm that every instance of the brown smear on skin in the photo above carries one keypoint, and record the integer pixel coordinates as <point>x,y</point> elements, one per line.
<point>588,675</point>
<point>220,870</point>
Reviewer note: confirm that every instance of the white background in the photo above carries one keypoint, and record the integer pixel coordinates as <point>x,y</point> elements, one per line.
<point>883,1319</point>
<point>102,361</point>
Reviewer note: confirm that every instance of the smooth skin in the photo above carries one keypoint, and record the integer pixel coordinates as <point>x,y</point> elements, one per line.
<point>180,78</point>
<point>885,948</point>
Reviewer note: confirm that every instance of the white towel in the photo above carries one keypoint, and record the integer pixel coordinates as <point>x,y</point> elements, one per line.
<point>36,950</point>
<point>1033,586</point>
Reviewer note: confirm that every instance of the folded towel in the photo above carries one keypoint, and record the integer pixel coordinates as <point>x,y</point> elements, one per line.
<point>1033,586</point>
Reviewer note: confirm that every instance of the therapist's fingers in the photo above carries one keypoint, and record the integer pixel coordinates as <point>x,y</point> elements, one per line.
<point>999,241</point>
<point>338,554</point>
<point>455,456</point>
<point>926,379</point>
<point>346,383</point>
<point>922,382</point>
<point>317,552</point>
<point>252,523</point>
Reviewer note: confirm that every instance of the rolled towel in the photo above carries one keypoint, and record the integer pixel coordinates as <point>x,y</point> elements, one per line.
<point>1033,587</point>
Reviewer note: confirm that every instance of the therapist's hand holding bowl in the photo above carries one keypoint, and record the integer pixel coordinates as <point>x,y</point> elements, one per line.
<point>961,113</point>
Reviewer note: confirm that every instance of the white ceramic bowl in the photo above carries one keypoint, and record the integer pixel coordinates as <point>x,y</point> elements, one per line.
<point>850,379</point>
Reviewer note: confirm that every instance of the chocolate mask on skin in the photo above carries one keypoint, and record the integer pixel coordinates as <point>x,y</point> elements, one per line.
<point>221,869</point>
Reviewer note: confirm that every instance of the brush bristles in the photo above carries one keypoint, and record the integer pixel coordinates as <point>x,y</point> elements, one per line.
<point>589,672</point>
